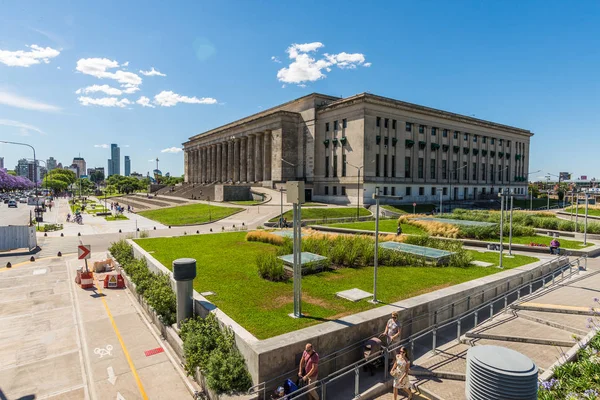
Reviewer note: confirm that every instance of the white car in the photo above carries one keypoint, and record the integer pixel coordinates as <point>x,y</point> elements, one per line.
<point>23,200</point>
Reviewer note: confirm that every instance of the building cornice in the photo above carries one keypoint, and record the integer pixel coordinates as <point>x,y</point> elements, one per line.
<point>404,106</point>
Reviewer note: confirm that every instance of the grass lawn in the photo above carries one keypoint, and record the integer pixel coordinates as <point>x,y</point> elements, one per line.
<point>537,203</point>
<point>591,211</point>
<point>508,263</point>
<point>189,214</point>
<point>385,225</point>
<point>322,213</point>
<point>408,208</point>
<point>545,240</point>
<point>226,266</point>
<point>118,217</point>
<point>246,202</point>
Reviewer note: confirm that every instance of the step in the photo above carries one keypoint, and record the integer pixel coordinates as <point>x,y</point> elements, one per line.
<point>441,389</point>
<point>449,362</point>
<point>554,308</point>
<point>573,323</point>
<point>542,355</point>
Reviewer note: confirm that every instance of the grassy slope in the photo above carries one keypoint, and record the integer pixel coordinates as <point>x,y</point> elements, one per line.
<point>226,266</point>
<point>581,211</point>
<point>189,214</point>
<point>386,225</point>
<point>321,213</point>
<point>408,208</point>
<point>545,240</point>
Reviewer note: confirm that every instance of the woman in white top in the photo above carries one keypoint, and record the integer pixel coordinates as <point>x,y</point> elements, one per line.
<point>392,329</point>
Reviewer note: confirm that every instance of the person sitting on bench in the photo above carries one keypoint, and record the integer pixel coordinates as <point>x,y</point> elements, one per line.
<point>555,246</point>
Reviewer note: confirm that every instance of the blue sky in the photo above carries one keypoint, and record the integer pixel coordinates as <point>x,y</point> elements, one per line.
<point>529,64</point>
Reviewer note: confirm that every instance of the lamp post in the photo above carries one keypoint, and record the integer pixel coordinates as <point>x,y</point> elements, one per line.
<point>510,229</point>
<point>281,208</point>
<point>34,165</point>
<point>586,219</point>
<point>358,193</point>
<point>501,195</point>
<point>376,258</point>
<point>577,212</point>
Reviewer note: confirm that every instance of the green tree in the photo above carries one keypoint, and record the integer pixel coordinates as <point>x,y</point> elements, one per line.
<point>534,189</point>
<point>11,172</point>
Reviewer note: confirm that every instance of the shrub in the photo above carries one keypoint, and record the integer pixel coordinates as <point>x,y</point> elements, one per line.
<point>433,228</point>
<point>270,267</point>
<point>144,234</point>
<point>264,237</point>
<point>121,251</point>
<point>213,351</point>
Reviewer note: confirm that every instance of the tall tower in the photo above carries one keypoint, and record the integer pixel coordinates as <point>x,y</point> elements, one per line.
<point>115,160</point>
<point>127,166</point>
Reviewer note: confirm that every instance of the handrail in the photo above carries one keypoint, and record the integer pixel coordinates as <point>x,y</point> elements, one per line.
<point>435,326</point>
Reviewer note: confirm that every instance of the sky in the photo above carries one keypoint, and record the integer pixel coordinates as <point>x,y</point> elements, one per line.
<point>76,76</point>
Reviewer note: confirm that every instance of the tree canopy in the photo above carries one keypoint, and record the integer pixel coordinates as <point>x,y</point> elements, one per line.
<point>10,182</point>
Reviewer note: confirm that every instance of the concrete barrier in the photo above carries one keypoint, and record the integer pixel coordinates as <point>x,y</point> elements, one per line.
<point>17,237</point>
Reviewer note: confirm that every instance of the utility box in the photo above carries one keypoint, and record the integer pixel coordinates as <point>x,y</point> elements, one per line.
<point>295,192</point>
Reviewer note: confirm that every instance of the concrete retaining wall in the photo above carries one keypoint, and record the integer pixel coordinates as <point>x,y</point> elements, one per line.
<point>17,237</point>
<point>232,193</point>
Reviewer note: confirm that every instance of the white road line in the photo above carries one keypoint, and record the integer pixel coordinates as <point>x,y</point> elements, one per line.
<point>62,392</point>
<point>15,365</point>
<point>32,314</point>
<point>80,336</point>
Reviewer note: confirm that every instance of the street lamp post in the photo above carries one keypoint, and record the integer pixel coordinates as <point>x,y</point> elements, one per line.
<point>358,193</point>
<point>501,194</point>
<point>34,165</point>
<point>281,208</point>
<point>510,229</point>
<point>376,258</point>
<point>586,219</point>
<point>577,212</point>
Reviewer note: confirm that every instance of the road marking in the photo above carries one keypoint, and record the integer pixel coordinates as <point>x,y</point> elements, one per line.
<point>111,375</point>
<point>152,352</point>
<point>71,389</point>
<point>40,271</point>
<point>129,361</point>
<point>106,351</point>
<point>4,269</point>
<point>120,396</point>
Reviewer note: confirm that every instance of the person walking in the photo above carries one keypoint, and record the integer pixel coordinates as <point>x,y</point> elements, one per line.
<point>400,373</point>
<point>308,370</point>
<point>393,329</point>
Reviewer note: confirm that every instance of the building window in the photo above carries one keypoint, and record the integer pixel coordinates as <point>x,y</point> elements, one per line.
<point>326,190</point>
<point>445,191</point>
<point>455,170</point>
<point>386,122</point>
<point>483,172</point>
<point>407,167</point>
<point>393,190</point>
<point>493,141</point>
<point>378,121</point>
<point>445,133</point>
<point>500,141</point>
<point>444,169</point>
<point>385,190</point>
<point>421,128</point>
<point>385,165</point>
<point>432,167</point>
<point>499,173</point>
<point>408,190</point>
<point>465,171</point>
<point>466,136</point>
<point>465,193</point>
<point>335,190</point>
<point>456,134</point>
<point>343,165</point>
<point>420,168</point>
<point>393,166</point>
<point>474,138</point>
<point>343,190</point>
<point>484,139</point>
<point>326,126</point>
<point>408,127</point>
<point>344,123</point>
<point>483,191</point>
<point>492,173</point>
<point>421,191</point>
<point>508,143</point>
<point>335,165</point>
<point>393,124</point>
<point>474,171</point>
<point>335,125</point>
<point>376,164</point>
<point>326,166</point>
<point>508,174</point>
<point>433,190</point>
<point>433,131</point>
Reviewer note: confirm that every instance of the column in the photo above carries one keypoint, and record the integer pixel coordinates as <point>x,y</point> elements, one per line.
<point>200,164</point>
<point>267,156</point>
<point>230,160</point>
<point>218,162</point>
<point>205,173</point>
<point>236,160</point>
<point>250,159</point>
<point>243,172</point>
<point>258,168</point>
<point>186,166</point>
<point>194,165</point>
<point>224,162</point>
<point>212,163</point>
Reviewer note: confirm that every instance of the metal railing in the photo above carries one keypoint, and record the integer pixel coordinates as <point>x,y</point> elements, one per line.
<point>463,322</point>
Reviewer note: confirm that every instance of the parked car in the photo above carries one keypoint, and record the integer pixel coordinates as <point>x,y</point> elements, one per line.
<point>23,200</point>
<point>12,203</point>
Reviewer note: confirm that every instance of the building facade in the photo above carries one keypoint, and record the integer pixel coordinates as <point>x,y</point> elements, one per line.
<point>1,162</point>
<point>345,147</point>
<point>114,162</point>
<point>80,163</point>
<point>127,166</point>
<point>51,163</point>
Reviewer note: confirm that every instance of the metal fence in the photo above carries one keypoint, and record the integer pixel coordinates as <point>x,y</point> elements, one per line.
<point>17,237</point>
<point>440,332</point>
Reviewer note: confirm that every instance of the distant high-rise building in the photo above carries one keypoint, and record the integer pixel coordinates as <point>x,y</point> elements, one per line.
<point>51,164</point>
<point>1,162</point>
<point>59,165</point>
<point>114,162</point>
<point>79,162</point>
<point>127,166</point>
<point>22,168</point>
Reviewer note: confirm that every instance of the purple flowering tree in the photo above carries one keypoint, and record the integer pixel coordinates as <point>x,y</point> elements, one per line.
<point>9,182</point>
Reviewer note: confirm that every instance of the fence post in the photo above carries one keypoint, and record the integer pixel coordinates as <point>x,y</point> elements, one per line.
<point>505,302</point>
<point>519,294</point>
<point>491,309</point>
<point>356,382</point>
<point>458,331</point>
<point>386,363</point>
<point>530,287</point>
<point>553,277</point>
<point>452,311</point>
<point>585,262</point>
<point>435,317</point>
<point>433,345</point>
<point>476,315</point>
<point>323,390</point>
<point>468,303</point>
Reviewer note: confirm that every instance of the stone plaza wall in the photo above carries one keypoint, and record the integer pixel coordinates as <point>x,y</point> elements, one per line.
<point>232,193</point>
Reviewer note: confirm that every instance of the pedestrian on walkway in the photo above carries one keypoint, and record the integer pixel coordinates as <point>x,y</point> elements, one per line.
<point>400,373</point>
<point>309,369</point>
<point>393,329</point>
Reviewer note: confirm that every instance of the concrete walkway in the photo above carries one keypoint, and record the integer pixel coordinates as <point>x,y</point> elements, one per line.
<point>543,327</point>
<point>62,342</point>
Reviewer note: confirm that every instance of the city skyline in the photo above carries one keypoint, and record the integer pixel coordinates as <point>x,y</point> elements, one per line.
<point>68,91</point>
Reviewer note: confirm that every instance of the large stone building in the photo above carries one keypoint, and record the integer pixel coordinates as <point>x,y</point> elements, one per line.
<point>345,147</point>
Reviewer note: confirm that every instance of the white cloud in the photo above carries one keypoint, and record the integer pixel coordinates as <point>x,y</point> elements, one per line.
<point>172,150</point>
<point>144,102</point>
<point>151,160</point>
<point>125,64</point>
<point>305,67</point>
<point>23,58</point>
<point>169,99</point>
<point>13,100</point>
<point>104,101</point>
<point>100,88</point>
<point>276,59</point>
<point>99,67</point>
<point>152,72</point>
<point>125,145</point>
<point>102,146</point>
<point>21,125</point>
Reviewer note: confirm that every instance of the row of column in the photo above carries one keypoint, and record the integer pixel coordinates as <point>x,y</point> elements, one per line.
<point>241,159</point>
